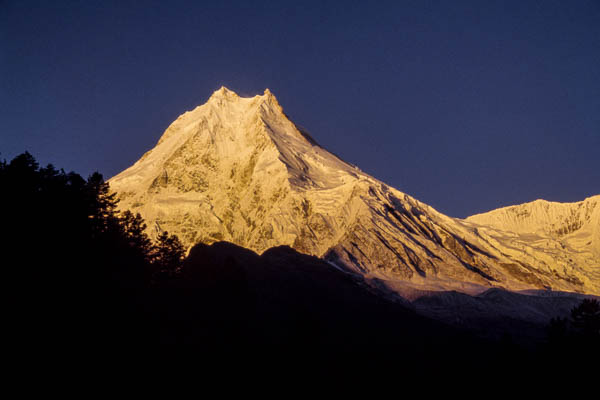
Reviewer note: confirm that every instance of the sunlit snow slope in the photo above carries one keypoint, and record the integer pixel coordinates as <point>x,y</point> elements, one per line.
<point>237,169</point>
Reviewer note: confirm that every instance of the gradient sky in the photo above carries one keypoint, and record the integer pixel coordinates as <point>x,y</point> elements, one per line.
<point>466,105</point>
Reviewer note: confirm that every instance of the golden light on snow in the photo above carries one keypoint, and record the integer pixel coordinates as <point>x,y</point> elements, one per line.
<point>238,169</point>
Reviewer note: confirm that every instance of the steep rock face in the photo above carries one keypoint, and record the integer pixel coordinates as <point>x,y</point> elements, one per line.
<point>237,169</point>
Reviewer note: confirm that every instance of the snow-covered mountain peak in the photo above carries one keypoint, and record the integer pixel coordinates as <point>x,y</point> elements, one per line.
<point>269,98</point>
<point>544,217</point>
<point>238,169</point>
<point>224,93</point>
<point>224,97</point>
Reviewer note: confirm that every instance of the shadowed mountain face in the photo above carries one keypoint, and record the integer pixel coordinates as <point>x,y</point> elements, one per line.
<point>282,282</point>
<point>284,311</point>
<point>283,308</point>
<point>237,169</point>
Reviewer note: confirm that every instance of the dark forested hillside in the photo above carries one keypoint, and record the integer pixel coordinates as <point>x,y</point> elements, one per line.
<point>74,268</point>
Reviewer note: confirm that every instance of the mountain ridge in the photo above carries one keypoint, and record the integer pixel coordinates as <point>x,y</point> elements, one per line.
<point>238,169</point>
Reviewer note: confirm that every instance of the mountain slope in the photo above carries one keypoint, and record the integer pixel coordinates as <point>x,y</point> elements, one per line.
<point>237,169</point>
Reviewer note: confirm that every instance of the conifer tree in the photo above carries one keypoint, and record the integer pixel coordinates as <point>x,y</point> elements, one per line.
<point>586,318</point>
<point>134,227</point>
<point>168,255</point>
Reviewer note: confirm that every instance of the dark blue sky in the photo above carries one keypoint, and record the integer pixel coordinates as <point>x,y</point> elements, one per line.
<point>466,105</point>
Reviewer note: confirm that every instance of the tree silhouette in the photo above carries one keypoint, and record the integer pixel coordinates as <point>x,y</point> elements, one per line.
<point>167,255</point>
<point>101,204</point>
<point>586,318</point>
<point>60,230</point>
<point>134,227</point>
<point>569,338</point>
<point>74,267</point>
